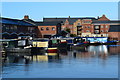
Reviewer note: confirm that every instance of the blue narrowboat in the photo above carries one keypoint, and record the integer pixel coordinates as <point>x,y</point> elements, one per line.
<point>97,40</point>
<point>81,41</point>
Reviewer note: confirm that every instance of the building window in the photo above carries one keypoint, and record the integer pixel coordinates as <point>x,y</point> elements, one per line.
<point>78,24</point>
<point>102,26</point>
<point>96,27</point>
<point>79,28</point>
<point>84,21</point>
<point>42,28</point>
<point>6,27</point>
<point>87,31</point>
<point>11,27</point>
<point>102,31</point>
<point>96,31</point>
<point>15,27</point>
<point>53,28</point>
<point>88,26</point>
<point>3,26</point>
<point>30,29</point>
<point>47,28</point>
<point>106,26</point>
<point>79,32</point>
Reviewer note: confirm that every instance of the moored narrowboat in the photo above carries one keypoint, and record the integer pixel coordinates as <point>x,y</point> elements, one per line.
<point>52,50</point>
<point>40,45</point>
<point>15,46</point>
<point>80,41</point>
<point>97,40</point>
<point>62,44</point>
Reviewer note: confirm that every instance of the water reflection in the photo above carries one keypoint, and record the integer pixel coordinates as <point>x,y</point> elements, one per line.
<point>104,57</point>
<point>102,52</point>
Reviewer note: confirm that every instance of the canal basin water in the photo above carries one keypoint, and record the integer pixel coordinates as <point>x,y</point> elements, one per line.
<point>88,62</point>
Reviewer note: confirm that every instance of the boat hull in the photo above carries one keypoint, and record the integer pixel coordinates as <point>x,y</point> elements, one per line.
<point>52,50</point>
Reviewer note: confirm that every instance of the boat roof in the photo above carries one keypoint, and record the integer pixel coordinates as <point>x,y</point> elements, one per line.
<point>40,39</point>
<point>91,37</point>
<point>6,40</point>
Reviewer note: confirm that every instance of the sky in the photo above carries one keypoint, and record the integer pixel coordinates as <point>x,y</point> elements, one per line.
<point>60,0</point>
<point>38,10</point>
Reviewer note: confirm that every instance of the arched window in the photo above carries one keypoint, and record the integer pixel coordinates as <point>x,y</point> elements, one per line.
<point>47,28</point>
<point>53,28</point>
<point>42,28</point>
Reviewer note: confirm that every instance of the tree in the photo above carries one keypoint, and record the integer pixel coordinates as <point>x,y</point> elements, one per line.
<point>73,35</point>
<point>68,30</point>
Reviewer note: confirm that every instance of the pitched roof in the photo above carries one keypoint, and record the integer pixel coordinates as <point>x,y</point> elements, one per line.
<point>71,20</point>
<point>114,28</point>
<point>103,18</point>
<point>103,22</point>
<point>30,20</point>
<point>14,22</point>
<point>53,23</point>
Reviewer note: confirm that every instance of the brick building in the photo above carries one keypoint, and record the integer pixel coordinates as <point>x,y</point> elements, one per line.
<point>48,29</point>
<point>74,24</point>
<point>83,26</point>
<point>114,32</point>
<point>86,26</point>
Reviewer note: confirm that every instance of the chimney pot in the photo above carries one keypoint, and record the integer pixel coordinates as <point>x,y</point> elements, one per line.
<point>26,17</point>
<point>69,16</point>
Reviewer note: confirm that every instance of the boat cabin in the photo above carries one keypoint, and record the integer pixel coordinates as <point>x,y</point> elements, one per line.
<point>40,42</point>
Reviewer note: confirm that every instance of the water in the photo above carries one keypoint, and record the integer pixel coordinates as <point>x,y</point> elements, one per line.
<point>89,62</point>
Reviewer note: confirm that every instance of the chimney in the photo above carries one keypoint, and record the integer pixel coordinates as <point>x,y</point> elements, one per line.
<point>98,17</point>
<point>26,17</point>
<point>103,18</point>
<point>69,16</point>
<point>103,15</point>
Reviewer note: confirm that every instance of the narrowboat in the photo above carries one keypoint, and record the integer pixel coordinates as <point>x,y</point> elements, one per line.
<point>40,45</point>
<point>100,40</point>
<point>81,41</point>
<point>54,42</point>
<point>52,45</point>
<point>113,42</point>
<point>13,46</point>
<point>52,50</point>
<point>97,40</point>
<point>62,44</point>
<point>70,43</point>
